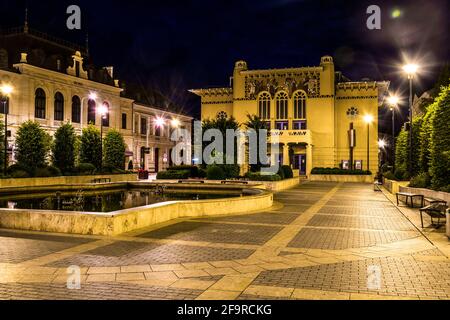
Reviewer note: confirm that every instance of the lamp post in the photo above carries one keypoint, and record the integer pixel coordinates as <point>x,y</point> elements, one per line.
<point>6,92</point>
<point>393,102</point>
<point>102,110</point>
<point>410,70</point>
<point>368,119</point>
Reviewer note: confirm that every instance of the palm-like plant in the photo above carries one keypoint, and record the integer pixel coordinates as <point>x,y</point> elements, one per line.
<point>256,123</point>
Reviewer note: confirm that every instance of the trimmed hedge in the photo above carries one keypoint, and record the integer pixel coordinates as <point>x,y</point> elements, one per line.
<point>193,170</point>
<point>287,172</point>
<point>338,171</point>
<point>173,175</point>
<point>215,173</point>
<point>252,176</point>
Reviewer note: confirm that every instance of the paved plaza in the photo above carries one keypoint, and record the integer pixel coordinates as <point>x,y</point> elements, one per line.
<point>319,241</point>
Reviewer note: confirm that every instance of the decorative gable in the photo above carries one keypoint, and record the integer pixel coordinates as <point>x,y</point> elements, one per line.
<point>76,69</point>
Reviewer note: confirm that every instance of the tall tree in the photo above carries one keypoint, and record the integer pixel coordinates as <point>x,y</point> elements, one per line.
<point>64,148</point>
<point>91,146</point>
<point>440,141</point>
<point>32,145</point>
<point>256,123</point>
<point>114,150</point>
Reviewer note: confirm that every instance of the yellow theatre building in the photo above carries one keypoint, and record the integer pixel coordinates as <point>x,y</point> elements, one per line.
<point>310,109</point>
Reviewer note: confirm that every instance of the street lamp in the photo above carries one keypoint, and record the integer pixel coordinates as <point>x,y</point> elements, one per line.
<point>410,70</point>
<point>175,123</point>
<point>6,92</point>
<point>103,111</point>
<point>368,119</point>
<point>393,103</point>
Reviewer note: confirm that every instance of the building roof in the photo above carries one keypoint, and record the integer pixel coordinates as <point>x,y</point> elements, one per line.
<point>46,52</point>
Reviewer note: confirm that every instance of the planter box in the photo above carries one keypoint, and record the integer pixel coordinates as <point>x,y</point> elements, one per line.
<point>427,193</point>
<point>342,178</point>
<point>394,186</point>
<point>448,223</point>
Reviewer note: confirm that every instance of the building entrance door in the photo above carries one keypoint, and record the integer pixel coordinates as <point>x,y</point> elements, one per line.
<point>300,163</point>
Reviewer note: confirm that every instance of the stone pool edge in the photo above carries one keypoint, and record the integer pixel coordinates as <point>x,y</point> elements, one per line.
<point>115,223</point>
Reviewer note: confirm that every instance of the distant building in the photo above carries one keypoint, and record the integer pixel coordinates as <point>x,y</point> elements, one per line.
<point>310,109</point>
<point>55,81</point>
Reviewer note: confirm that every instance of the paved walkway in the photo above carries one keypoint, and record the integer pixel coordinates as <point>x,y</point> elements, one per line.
<point>320,241</point>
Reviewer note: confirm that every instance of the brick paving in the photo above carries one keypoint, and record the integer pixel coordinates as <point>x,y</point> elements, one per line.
<point>213,232</point>
<point>319,242</point>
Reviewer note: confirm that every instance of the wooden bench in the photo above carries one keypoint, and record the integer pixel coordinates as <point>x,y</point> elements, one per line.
<point>102,180</point>
<point>435,210</point>
<point>411,196</point>
<point>430,200</point>
<point>234,182</point>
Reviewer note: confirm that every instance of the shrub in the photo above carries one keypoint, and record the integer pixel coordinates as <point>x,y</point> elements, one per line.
<point>33,145</point>
<point>18,174</point>
<point>173,175</point>
<point>215,172</point>
<point>64,148</point>
<point>445,189</point>
<point>287,171</point>
<point>440,141</point>
<point>422,180</point>
<point>253,176</point>
<point>338,171</point>
<point>114,150</point>
<point>401,154</point>
<point>281,173</point>
<point>85,169</point>
<point>401,174</point>
<point>202,173</point>
<point>389,175</point>
<point>193,170</point>
<point>90,147</point>
<point>45,172</point>
<point>231,171</point>
<point>15,167</point>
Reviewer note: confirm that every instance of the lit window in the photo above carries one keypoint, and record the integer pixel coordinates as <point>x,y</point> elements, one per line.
<point>76,109</point>
<point>282,125</point>
<point>59,106</point>
<point>300,105</point>
<point>40,104</point>
<point>282,105</point>
<point>264,105</point>
<point>299,125</point>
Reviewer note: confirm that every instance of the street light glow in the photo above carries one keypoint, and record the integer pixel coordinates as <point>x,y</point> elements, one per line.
<point>382,144</point>
<point>175,123</point>
<point>103,109</point>
<point>159,122</point>
<point>6,89</point>
<point>393,100</point>
<point>368,118</point>
<point>410,69</point>
<point>93,96</point>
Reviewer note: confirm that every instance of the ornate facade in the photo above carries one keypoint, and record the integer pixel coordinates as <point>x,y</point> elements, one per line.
<point>55,82</point>
<point>309,109</point>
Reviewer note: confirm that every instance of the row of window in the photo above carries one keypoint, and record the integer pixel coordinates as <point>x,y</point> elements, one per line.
<point>284,125</point>
<point>281,102</point>
<point>40,109</point>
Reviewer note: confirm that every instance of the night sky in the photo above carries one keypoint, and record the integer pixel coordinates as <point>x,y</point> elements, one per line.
<point>178,45</point>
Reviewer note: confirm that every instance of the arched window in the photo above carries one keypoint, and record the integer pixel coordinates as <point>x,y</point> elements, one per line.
<point>91,111</point>
<point>105,120</point>
<point>59,106</point>
<point>282,105</point>
<point>76,109</point>
<point>300,105</point>
<point>264,106</point>
<point>39,104</point>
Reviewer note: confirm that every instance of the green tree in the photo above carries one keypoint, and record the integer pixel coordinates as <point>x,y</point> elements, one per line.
<point>425,138</point>
<point>114,150</point>
<point>443,80</point>
<point>91,146</point>
<point>416,145</point>
<point>64,148</point>
<point>33,145</point>
<point>440,141</point>
<point>401,154</point>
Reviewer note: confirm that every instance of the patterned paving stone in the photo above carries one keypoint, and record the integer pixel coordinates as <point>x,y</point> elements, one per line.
<point>18,247</point>
<point>213,232</point>
<point>431,252</point>
<point>375,223</point>
<point>263,218</point>
<point>382,212</point>
<point>299,208</point>
<point>334,239</point>
<point>399,276</point>
<point>355,203</point>
<point>124,253</point>
<point>94,291</point>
